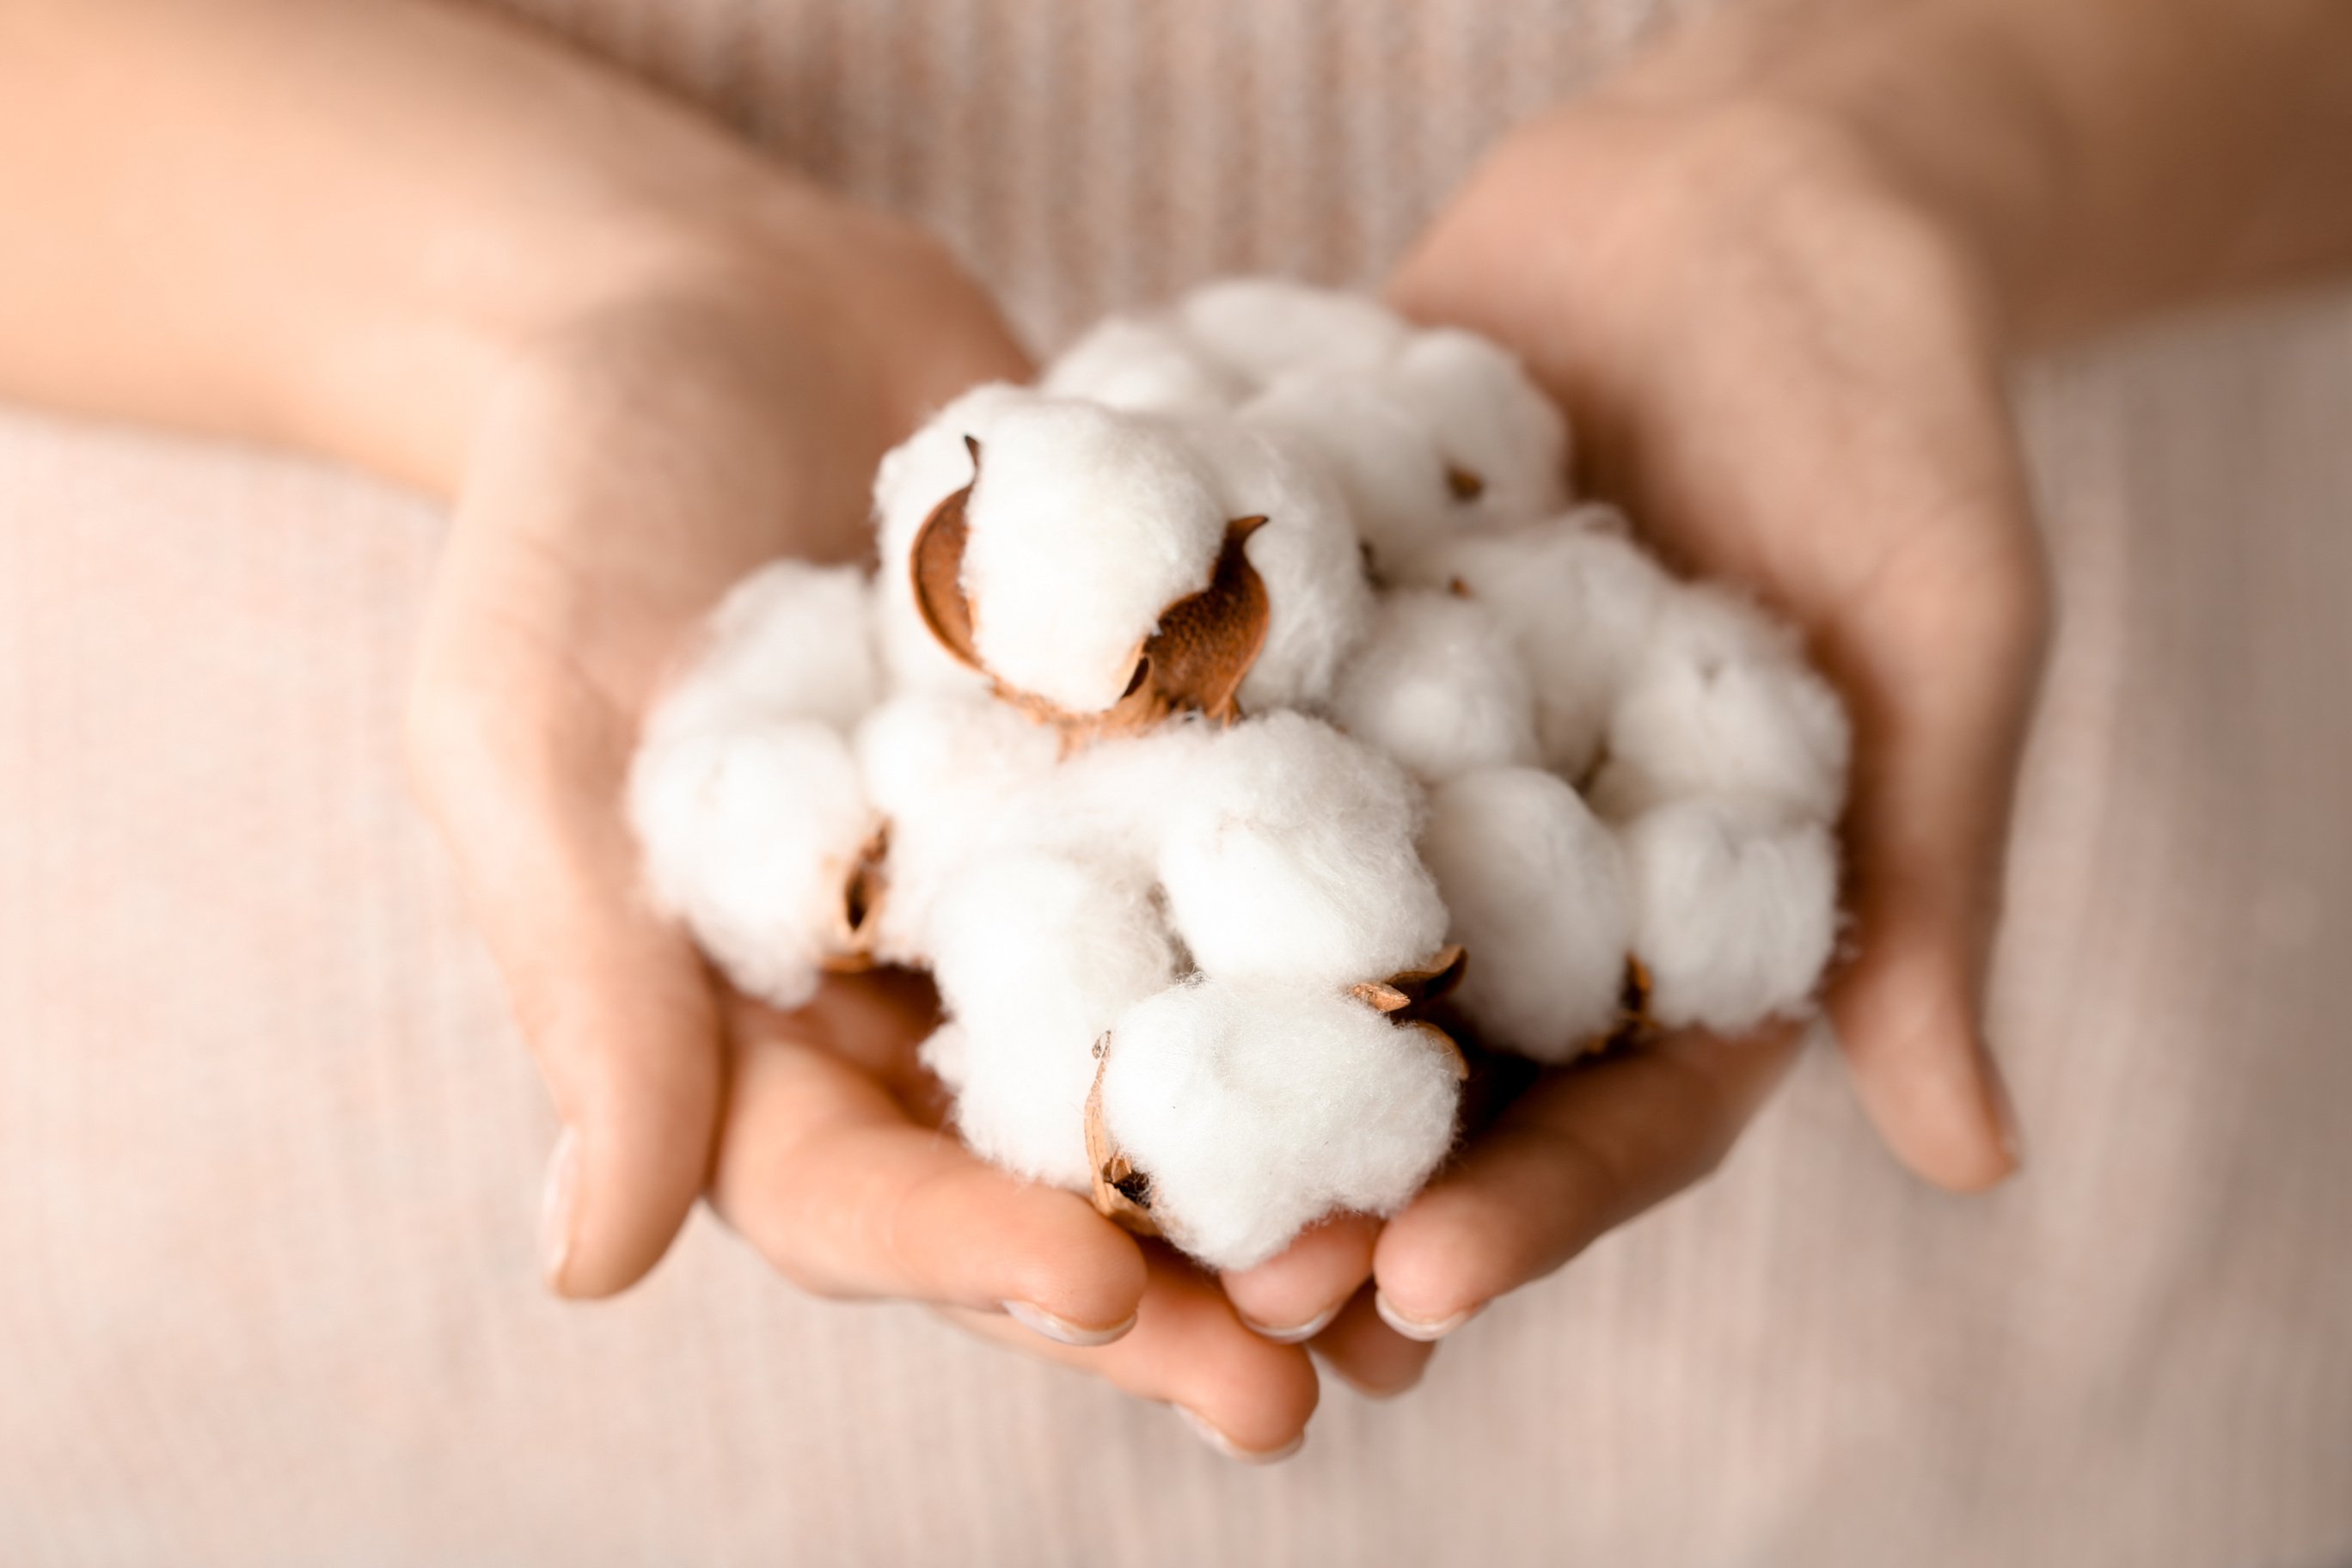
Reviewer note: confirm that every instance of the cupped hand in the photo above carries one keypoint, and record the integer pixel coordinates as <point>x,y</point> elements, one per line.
<point>632,467</point>
<point>1791,377</point>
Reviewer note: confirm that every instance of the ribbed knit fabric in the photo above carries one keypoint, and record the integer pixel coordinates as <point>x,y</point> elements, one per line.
<point>269,1150</point>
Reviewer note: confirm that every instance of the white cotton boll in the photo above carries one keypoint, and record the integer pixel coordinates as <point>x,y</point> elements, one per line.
<point>1735,910</point>
<point>789,641</point>
<point>1536,886</point>
<point>947,771</point>
<point>1318,602</point>
<point>1110,803</point>
<point>1437,687</point>
<point>1140,366</point>
<point>1036,956</point>
<point>750,835</point>
<point>1489,420</point>
<point>1084,526</point>
<point>1287,855</point>
<point>1578,599</point>
<point>914,478</point>
<point>1256,1112</point>
<point>1721,703</point>
<point>1383,455</point>
<point>1255,328</point>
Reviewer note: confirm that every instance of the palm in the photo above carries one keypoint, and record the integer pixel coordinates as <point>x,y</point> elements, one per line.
<point>1789,383</point>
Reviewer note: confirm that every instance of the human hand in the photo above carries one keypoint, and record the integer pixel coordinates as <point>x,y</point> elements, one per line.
<point>629,471</point>
<point>726,407</point>
<point>1791,375</point>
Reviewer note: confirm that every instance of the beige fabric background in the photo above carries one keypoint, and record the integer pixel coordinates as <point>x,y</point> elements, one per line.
<point>268,1152</point>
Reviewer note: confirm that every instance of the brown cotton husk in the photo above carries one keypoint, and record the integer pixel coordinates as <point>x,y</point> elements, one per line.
<point>1466,484</point>
<point>858,916</point>
<point>1121,1192</point>
<point>1409,998</point>
<point>1194,660</point>
<point>1633,1023</point>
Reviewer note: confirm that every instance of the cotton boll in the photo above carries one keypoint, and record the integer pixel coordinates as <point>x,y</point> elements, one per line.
<point>1437,687</point>
<point>1084,526</point>
<point>791,640</point>
<point>1036,956</point>
<point>1721,703</point>
<point>1383,455</point>
<point>1536,886</point>
<point>1287,853</point>
<point>1140,366</point>
<point>921,746</point>
<point>1735,910</point>
<point>1578,599</point>
<point>1256,1111</point>
<point>1109,804</point>
<point>1490,421</point>
<point>1255,328</point>
<point>751,834</point>
<point>947,771</point>
<point>1318,602</point>
<point>914,478</point>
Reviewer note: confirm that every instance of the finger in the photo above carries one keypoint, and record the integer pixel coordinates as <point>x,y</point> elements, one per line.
<point>821,1170</point>
<point>613,1003</point>
<point>1936,756</point>
<point>1292,1297</point>
<point>1248,1398</point>
<point>1372,1358</point>
<point>1585,1149</point>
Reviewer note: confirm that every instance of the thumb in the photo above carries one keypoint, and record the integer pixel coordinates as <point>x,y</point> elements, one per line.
<point>1940,708</point>
<point>614,1004</point>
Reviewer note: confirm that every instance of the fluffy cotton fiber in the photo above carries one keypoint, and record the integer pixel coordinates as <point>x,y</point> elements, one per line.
<point>743,793</point>
<point>1256,1110</point>
<point>1287,858</point>
<point>1735,910</point>
<point>1475,715</point>
<point>1489,422</point>
<point>1536,886</point>
<point>1576,598</point>
<point>1438,687</point>
<point>1720,702</point>
<point>1142,367</point>
<point>750,836</point>
<point>1036,956</point>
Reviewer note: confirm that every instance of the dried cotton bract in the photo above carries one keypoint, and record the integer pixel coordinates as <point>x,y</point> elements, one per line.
<point>1208,700</point>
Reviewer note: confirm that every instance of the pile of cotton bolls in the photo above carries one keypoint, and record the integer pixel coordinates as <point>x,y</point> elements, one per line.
<point>1210,700</point>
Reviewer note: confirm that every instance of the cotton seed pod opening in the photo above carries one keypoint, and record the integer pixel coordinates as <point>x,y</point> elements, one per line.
<point>1195,659</point>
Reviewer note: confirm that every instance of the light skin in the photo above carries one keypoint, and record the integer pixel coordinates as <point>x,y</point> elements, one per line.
<point>1772,272</point>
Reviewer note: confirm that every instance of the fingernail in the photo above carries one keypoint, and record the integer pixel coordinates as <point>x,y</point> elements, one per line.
<point>1423,1329</point>
<point>1234,1451</point>
<point>1379,1391</point>
<point>555,1205</point>
<point>1061,1330</point>
<point>1295,1333</point>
